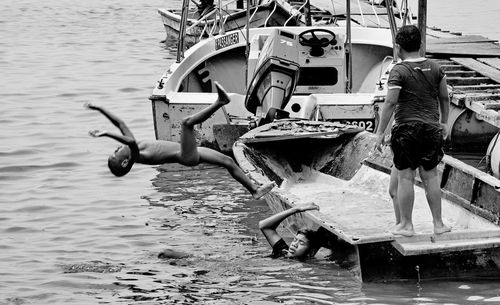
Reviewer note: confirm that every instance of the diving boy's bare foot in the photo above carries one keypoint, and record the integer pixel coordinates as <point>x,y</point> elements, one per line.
<point>263,189</point>
<point>406,231</point>
<point>223,96</point>
<point>441,229</point>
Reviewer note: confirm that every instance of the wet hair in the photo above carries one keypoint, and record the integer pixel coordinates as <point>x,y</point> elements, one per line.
<point>116,167</point>
<point>312,238</point>
<point>409,38</point>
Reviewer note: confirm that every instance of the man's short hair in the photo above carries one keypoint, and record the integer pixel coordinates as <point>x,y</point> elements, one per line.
<point>409,38</point>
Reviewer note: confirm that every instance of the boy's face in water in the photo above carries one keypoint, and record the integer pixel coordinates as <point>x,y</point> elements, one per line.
<point>299,247</point>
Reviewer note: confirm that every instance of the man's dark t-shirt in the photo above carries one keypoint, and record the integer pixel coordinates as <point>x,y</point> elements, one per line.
<point>419,82</point>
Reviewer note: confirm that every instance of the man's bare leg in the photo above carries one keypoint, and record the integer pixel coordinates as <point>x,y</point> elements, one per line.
<point>189,147</point>
<point>393,192</point>
<point>406,197</point>
<point>433,195</point>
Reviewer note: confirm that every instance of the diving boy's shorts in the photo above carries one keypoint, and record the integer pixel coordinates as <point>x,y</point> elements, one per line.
<point>416,144</point>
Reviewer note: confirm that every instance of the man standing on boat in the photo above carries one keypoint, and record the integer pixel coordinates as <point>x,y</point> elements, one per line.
<point>418,96</point>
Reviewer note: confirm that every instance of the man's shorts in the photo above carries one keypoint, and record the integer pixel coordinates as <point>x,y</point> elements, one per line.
<point>416,144</point>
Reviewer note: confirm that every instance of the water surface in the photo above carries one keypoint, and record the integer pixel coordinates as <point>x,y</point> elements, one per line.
<point>71,233</point>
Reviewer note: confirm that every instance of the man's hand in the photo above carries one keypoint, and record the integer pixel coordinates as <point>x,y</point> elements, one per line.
<point>380,142</point>
<point>97,133</point>
<point>444,128</point>
<point>308,206</point>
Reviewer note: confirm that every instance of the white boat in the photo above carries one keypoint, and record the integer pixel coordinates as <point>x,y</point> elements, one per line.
<point>325,74</point>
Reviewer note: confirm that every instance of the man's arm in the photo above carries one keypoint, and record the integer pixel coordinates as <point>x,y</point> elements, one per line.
<point>269,225</point>
<point>387,110</point>
<point>444,106</point>
<point>113,118</point>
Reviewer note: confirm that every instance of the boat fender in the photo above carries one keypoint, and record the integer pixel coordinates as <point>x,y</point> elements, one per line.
<point>493,156</point>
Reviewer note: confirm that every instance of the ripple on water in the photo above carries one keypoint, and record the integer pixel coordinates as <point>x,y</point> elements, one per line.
<point>37,167</point>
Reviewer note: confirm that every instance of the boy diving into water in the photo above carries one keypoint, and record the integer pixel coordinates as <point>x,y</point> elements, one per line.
<point>186,153</point>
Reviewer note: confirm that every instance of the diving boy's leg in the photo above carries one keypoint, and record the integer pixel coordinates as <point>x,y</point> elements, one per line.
<point>211,156</point>
<point>406,197</point>
<point>204,114</point>
<point>433,195</point>
<point>189,148</point>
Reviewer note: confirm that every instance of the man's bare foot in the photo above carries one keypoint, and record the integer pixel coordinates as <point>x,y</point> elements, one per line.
<point>403,231</point>
<point>263,189</point>
<point>223,96</point>
<point>441,229</point>
<point>394,227</point>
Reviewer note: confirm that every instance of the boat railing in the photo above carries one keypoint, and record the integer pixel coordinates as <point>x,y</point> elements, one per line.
<point>382,68</point>
<point>296,12</point>
<point>363,22</point>
<point>375,12</point>
<point>213,22</point>
<point>407,16</point>
<point>268,17</point>
<point>257,9</point>
<point>202,19</point>
<point>253,14</point>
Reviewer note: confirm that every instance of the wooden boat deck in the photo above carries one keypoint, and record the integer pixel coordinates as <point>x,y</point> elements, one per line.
<point>361,211</point>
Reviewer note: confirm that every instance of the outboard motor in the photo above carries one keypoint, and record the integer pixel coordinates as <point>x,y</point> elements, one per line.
<point>276,77</point>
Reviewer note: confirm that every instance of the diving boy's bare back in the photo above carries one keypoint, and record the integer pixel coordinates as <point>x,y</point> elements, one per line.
<point>186,152</point>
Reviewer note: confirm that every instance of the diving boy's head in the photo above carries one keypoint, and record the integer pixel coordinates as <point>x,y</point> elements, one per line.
<point>304,245</point>
<point>120,162</point>
<point>409,38</point>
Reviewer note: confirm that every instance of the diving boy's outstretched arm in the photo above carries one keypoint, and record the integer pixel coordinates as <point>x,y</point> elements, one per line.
<point>113,118</point>
<point>126,137</point>
<point>269,225</point>
<point>118,137</point>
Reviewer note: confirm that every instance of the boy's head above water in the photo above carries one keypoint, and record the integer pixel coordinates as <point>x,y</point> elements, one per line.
<point>304,245</point>
<point>120,162</point>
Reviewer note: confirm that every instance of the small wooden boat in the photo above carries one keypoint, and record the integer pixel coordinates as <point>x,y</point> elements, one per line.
<point>228,18</point>
<point>334,166</point>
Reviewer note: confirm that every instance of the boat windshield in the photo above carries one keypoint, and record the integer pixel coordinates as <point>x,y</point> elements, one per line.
<point>318,76</point>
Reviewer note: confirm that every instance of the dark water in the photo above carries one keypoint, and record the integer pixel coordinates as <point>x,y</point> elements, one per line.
<point>71,233</point>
